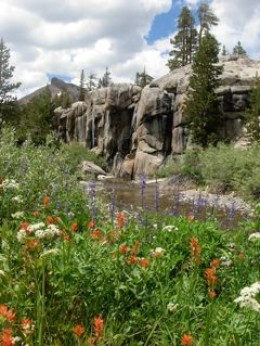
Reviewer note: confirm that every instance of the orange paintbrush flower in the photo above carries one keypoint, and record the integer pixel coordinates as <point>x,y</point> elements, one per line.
<point>123,249</point>
<point>46,200</point>
<point>7,313</point>
<point>6,338</point>
<point>78,330</point>
<point>74,227</point>
<point>121,219</point>
<point>98,326</point>
<point>215,263</point>
<point>186,340</point>
<point>195,249</point>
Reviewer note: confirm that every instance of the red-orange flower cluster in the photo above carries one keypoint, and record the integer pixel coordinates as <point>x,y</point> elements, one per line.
<point>7,313</point>
<point>78,330</point>
<point>97,234</point>
<point>195,249</point>
<point>74,227</point>
<point>210,275</point>
<point>6,338</point>
<point>46,201</point>
<point>121,219</point>
<point>98,326</point>
<point>186,340</point>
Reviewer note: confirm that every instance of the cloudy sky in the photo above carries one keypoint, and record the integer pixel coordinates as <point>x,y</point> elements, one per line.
<point>61,37</point>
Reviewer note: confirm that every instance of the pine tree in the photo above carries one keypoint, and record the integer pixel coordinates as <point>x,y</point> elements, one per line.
<point>184,42</point>
<point>82,89</point>
<point>238,49</point>
<point>206,19</point>
<point>91,81</point>
<point>6,86</point>
<point>253,113</point>
<point>106,80</point>
<point>224,51</point>
<point>142,79</point>
<point>202,106</point>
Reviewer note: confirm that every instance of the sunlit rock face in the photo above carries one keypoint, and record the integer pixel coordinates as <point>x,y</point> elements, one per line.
<point>136,129</point>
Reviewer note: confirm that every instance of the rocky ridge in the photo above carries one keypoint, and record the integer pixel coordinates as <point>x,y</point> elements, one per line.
<point>136,129</point>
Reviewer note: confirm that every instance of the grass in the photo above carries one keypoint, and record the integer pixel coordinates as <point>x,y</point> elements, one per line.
<point>75,271</point>
<point>222,168</point>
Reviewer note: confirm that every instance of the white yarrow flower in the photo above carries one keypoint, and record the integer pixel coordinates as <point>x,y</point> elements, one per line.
<point>247,297</point>
<point>21,235</point>
<point>18,215</point>
<point>254,236</point>
<point>17,199</point>
<point>158,251</point>
<point>36,226</point>
<point>171,307</point>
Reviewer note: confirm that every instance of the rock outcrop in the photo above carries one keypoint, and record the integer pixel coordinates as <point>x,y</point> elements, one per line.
<point>136,129</point>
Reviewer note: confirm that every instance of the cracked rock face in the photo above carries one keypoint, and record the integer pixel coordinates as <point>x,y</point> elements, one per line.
<point>136,129</point>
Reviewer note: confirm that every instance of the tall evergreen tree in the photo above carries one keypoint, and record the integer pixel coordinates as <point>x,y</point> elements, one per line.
<point>238,49</point>
<point>184,42</point>
<point>106,80</point>
<point>142,79</point>
<point>253,113</point>
<point>206,19</point>
<point>91,81</point>
<point>82,88</point>
<point>202,106</point>
<point>6,86</point>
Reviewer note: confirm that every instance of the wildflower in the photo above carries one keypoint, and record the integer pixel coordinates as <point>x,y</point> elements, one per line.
<point>6,337</point>
<point>24,225</point>
<point>74,227</point>
<point>121,219</point>
<point>171,307</point>
<point>27,326</point>
<point>241,256</point>
<point>91,224</point>
<point>17,199</point>
<point>135,248</point>
<point>190,217</point>
<point>18,215</point>
<point>50,252</point>
<point>9,184</point>
<point>36,213</point>
<point>46,201</point>
<point>96,234</point>
<point>35,226</point>
<point>211,277</point>
<point>225,262</point>
<point>123,249</point>
<point>132,260</point>
<point>247,297</point>
<point>186,340</point>
<point>215,263</point>
<point>144,262</point>
<point>157,252</point>
<point>50,219</point>
<point>78,330</point>
<point>32,244</point>
<point>254,236</point>
<point>98,326</point>
<point>170,228</point>
<point>195,249</point>
<point>7,313</point>
<point>212,294</point>
<point>21,235</point>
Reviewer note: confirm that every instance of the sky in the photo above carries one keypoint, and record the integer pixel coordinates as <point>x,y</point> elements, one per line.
<point>60,38</point>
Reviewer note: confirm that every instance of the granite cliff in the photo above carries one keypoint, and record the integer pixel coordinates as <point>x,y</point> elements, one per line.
<point>136,129</point>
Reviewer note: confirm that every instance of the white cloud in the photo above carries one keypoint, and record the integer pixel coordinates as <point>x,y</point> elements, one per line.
<point>65,36</point>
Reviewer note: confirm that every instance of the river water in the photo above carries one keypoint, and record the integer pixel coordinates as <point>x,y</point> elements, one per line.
<point>152,197</point>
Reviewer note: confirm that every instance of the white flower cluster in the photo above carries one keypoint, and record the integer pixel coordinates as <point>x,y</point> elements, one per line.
<point>171,307</point>
<point>157,252</point>
<point>9,184</point>
<point>40,231</point>
<point>17,199</point>
<point>170,228</point>
<point>18,215</point>
<point>247,297</point>
<point>254,236</point>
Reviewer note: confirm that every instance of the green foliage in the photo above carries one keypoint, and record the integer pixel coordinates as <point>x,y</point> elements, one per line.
<point>8,106</point>
<point>224,168</point>
<point>202,106</point>
<point>142,78</point>
<point>184,42</point>
<point>238,49</point>
<point>206,19</point>
<point>82,89</point>
<point>77,153</point>
<point>253,113</point>
<point>36,118</point>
